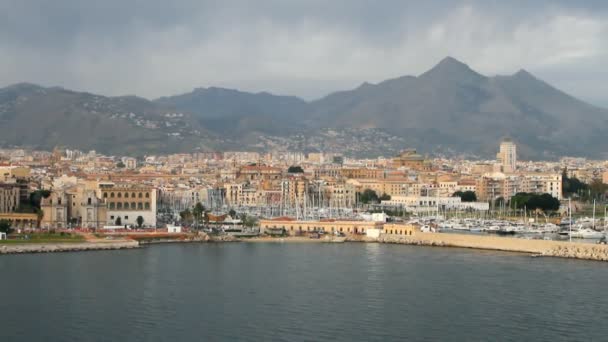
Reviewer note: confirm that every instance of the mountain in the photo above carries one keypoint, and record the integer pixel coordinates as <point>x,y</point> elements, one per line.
<point>238,113</point>
<point>43,118</point>
<point>448,108</point>
<point>452,105</point>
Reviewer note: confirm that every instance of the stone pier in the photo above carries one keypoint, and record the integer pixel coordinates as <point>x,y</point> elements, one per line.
<point>562,249</point>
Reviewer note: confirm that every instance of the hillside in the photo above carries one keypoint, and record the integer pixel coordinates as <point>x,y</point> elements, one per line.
<point>456,106</point>
<point>43,118</point>
<point>450,108</point>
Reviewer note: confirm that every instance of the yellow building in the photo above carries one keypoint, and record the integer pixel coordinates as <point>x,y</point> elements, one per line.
<point>13,171</point>
<point>400,229</point>
<point>297,228</point>
<point>411,159</point>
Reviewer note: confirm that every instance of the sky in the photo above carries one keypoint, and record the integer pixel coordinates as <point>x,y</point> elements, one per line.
<point>306,48</point>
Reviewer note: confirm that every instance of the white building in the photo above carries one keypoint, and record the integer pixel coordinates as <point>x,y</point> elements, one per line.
<point>425,203</point>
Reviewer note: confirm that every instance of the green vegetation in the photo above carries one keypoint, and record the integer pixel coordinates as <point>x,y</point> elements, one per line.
<point>249,221</point>
<point>118,221</point>
<point>120,165</point>
<point>199,212</point>
<point>32,205</point>
<point>466,196</point>
<point>50,237</point>
<point>140,221</point>
<point>385,197</point>
<point>545,202</point>
<point>295,169</point>
<point>232,213</point>
<point>5,226</point>
<point>368,196</point>
<point>186,216</point>
<point>574,188</point>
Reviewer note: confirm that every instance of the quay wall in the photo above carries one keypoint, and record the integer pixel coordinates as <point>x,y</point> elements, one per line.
<point>563,249</point>
<point>66,247</point>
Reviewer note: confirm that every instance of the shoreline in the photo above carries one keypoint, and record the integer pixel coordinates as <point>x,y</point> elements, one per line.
<point>31,248</point>
<point>537,248</point>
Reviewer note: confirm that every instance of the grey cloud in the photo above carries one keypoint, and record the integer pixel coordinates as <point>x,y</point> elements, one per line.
<point>307,48</point>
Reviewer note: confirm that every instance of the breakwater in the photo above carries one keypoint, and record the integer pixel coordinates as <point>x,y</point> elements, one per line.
<point>66,247</point>
<point>562,249</point>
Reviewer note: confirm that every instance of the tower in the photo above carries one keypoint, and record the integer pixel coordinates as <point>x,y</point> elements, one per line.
<point>507,156</point>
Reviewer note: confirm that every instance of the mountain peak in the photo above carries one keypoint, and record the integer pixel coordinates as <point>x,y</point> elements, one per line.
<point>450,68</point>
<point>522,73</point>
<point>452,62</point>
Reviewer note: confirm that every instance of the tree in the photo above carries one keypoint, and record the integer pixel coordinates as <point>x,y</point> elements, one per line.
<point>118,221</point>
<point>295,169</point>
<point>368,196</point>
<point>5,226</point>
<point>197,212</point>
<point>571,186</point>
<point>232,213</point>
<point>385,197</point>
<point>140,221</point>
<point>36,197</point>
<point>530,201</point>
<point>186,216</point>
<point>120,165</point>
<point>249,221</point>
<point>466,196</point>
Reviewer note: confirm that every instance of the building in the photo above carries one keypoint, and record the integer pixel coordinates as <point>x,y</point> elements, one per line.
<point>294,227</point>
<point>411,159</point>
<point>130,163</point>
<point>430,204</point>
<point>9,197</point>
<point>507,156</point>
<point>55,210</point>
<point>126,202</point>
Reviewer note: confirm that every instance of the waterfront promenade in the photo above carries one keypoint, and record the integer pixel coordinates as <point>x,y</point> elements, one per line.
<point>563,249</point>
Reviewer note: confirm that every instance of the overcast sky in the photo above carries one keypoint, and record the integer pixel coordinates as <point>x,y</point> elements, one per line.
<point>306,48</point>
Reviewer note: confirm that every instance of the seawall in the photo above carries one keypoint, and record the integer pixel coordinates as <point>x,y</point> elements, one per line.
<point>66,247</point>
<point>562,249</point>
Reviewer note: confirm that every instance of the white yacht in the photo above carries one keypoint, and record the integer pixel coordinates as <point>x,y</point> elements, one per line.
<point>586,233</point>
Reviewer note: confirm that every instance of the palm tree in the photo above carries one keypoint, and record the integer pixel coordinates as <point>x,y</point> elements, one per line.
<point>198,212</point>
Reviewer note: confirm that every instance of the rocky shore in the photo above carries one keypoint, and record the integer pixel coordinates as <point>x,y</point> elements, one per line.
<point>561,249</point>
<point>67,247</point>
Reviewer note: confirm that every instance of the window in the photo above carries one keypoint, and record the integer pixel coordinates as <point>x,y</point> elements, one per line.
<point>133,195</point>
<point>140,206</point>
<point>126,195</point>
<point>112,217</point>
<point>89,201</point>
<point>119,195</point>
<point>126,205</point>
<point>133,205</point>
<point>140,195</point>
<point>105,195</point>
<point>119,205</point>
<point>112,206</point>
<point>147,195</point>
<point>147,206</point>
<point>112,195</point>
<point>126,217</point>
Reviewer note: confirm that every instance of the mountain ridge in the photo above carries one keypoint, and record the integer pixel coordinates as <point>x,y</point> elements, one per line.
<point>449,105</point>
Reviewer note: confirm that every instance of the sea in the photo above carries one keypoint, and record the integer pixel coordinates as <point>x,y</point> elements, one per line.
<point>301,292</point>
